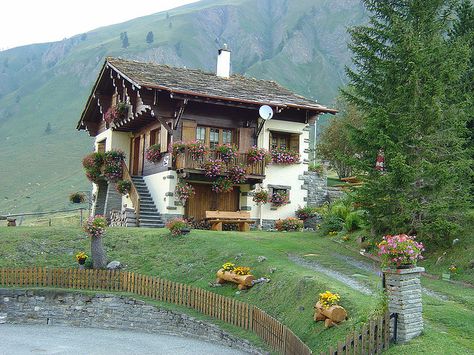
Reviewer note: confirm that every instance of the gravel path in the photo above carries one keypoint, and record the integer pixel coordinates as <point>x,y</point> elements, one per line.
<point>37,339</point>
<point>352,283</point>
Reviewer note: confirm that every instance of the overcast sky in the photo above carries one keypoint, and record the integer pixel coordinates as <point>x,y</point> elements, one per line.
<point>36,21</point>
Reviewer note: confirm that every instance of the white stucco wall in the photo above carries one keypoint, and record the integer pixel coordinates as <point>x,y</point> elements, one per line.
<point>158,185</point>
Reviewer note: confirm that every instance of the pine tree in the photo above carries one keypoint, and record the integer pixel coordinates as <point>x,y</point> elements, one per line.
<point>124,38</point>
<point>149,37</point>
<point>405,70</point>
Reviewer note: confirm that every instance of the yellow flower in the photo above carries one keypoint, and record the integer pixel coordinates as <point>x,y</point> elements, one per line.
<point>228,266</point>
<point>242,270</point>
<point>328,299</point>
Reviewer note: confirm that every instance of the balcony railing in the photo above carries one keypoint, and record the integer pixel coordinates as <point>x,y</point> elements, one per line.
<point>187,161</point>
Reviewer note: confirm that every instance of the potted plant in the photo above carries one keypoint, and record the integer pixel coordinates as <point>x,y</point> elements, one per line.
<point>153,153</point>
<point>113,161</point>
<point>227,152</point>
<point>197,149</point>
<point>123,187</point>
<point>237,274</point>
<point>255,155</point>
<point>213,167</point>
<point>284,156</point>
<point>328,309</point>
<point>184,191</point>
<point>178,226</point>
<point>95,229</point>
<point>279,198</point>
<point>77,197</point>
<point>177,147</point>
<point>236,174</point>
<point>400,251</point>
<point>92,164</point>
<point>81,258</point>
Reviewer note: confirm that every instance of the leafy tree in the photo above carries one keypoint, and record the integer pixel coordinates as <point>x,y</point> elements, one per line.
<point>124,38</point>
<point>335,144</point>
<point>149,37</point>
<point>406,72</point>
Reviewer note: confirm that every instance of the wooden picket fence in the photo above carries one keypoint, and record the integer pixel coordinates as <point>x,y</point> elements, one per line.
<point>371,338</point>
<point>240,314</point>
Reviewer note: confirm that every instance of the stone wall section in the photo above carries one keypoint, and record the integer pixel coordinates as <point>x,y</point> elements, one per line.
<point>107,311</point>
<point>316,186</point>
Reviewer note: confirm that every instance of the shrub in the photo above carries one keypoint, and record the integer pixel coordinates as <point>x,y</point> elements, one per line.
<point>77,197</point>
<point>227,152</point>
<point>279,198</point>
<point>306,212</point>
<point>255,155</point>
<point>284,156</point>
<point>339,210</point>
<point>260,197</point>
<point>331,223</point>
<point>153,153</point>
<point>123,187</point>
<point>177,226</point>
<point>353,221</point>
<point>184,191</point>
<point>289,224</point>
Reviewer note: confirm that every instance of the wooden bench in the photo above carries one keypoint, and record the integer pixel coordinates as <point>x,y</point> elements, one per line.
<point>218,218</point>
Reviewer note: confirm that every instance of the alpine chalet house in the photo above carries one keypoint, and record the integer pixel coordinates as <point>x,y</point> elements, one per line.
<point>193,142</point>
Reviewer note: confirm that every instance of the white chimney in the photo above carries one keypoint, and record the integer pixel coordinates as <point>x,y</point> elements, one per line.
<point>223,62</point>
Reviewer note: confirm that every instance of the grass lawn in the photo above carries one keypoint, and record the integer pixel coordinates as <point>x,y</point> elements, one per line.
<point>289,296</point>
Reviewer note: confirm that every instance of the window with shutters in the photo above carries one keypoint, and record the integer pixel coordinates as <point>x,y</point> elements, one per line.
<point>283,140</point>
<point>155,136</point>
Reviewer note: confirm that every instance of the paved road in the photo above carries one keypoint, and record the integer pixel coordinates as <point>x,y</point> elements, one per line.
<point>38,339</point>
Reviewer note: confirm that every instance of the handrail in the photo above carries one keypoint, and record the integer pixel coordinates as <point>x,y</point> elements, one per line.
<point>134,195</point>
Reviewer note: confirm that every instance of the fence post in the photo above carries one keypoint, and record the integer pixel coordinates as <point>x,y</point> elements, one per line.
<point>403,289</point>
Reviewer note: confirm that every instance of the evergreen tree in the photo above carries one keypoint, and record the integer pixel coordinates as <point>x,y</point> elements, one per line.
<point>149,37</point>
<point>124,38</point>
<point>405,75</point>
<point>48,129</point>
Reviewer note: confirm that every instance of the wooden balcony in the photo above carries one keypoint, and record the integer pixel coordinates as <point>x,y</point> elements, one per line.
<point>186,162</point>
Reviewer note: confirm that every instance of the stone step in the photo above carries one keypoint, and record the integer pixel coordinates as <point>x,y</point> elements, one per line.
<point>152,225</point>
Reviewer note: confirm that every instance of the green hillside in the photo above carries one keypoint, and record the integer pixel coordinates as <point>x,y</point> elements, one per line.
<point>300,44</point>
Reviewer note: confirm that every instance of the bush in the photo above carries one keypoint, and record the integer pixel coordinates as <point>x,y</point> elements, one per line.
<point>316,167</point>
<point>306,212</point>
<point>331,223</point>
<point>339,210</point>
<point>289,224</point>
<point>177,226</point>
<point>354,221</point>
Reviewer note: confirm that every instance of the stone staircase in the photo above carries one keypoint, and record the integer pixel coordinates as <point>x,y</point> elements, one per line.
<point>149,215</point>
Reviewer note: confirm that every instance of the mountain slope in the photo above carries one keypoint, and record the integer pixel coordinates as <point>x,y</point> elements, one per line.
<point>299,43</point>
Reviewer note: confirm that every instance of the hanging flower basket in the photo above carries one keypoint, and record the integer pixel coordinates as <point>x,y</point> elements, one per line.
<point>184,191</point>
<point>153,153</point>
<point>213,167</point>
<point>236,174</point>
<point>260,197</point>
<point>123,187</point>
<point>77,197</point>
<point>222,185</point>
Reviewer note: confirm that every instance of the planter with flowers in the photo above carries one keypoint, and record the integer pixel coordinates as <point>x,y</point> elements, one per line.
<point>116,112</point>
<point>92,164</point>
<point>328,310</point>
<point>284,156</point>
<point>123,187</point>
<point>260,197</point>
<point>213,167</point>
<point>77,197</point>
<point>256,155</point>
<point>113,161</point>
<point>236,174</point>
<point>153,153</point>
<point>400,251</point>
<point>279,198</point>
<point>237,274</point>
<point>177,148</point>
<point>184,191</point>
<point>178,227</point>
<point>222,185</point>
<point>197,149</point>
<point>226,152</point>
<point>81,258</point>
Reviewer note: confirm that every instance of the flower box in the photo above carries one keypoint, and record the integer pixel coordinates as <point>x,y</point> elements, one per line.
<point>243,281</point>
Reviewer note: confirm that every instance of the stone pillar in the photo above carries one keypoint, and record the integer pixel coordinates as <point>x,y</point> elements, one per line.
<point>403,289</point>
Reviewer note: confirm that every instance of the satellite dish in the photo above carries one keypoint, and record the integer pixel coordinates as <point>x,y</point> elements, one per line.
<point>265,112</point>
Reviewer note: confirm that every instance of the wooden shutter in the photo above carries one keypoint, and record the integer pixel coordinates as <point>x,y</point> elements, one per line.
<point>164,141</point>
<point>295,142</point>
<point>245,139</point>
<point>189,130</point>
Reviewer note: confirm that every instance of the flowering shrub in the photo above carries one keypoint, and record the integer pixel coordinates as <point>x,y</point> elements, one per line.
<point>177,226</point>
<point>197,149</point>
<point>289,224</point>
<point>279,198</point>
<point>92,164</point>
<point>213,167</point>
<point>177,147</point>
<point>123,187</point>
<point>153,153</point>
<point>400,249</point>
<point>241,270</point>
<point>236,174</point>
<point>113,165</point>
<point>81,257</point>
<point>77,197</point>
<point>260,197</point>
<point>306,212</point>
<point>284,156</point>
<point>95,226</point>
<point>255,155</point>
<point>227,152</point>
<point>222,185</point>
<point>184,191</point>
<point>328,299</point>
<point>228,266</point>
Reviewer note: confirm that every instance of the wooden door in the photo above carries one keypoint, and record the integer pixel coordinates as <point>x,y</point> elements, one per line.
<point>136,156</point>
<point>207,200</point>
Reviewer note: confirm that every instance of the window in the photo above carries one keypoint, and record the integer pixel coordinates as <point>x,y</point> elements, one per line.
<point>280,140</point>
<point>201,134</point>
<point>155,136</point>
<point>226,136</point>
<point>101,147</point>
<point>213,137</point>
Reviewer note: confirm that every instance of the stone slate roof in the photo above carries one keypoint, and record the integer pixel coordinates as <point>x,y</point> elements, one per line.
<point>199,83</point>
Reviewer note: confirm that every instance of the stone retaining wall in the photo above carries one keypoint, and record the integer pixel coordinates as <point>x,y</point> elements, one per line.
<point>107,311</point>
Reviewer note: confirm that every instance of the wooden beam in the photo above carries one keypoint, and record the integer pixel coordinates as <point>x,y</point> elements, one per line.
<point>179,113</point>
<point>154,113</point>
